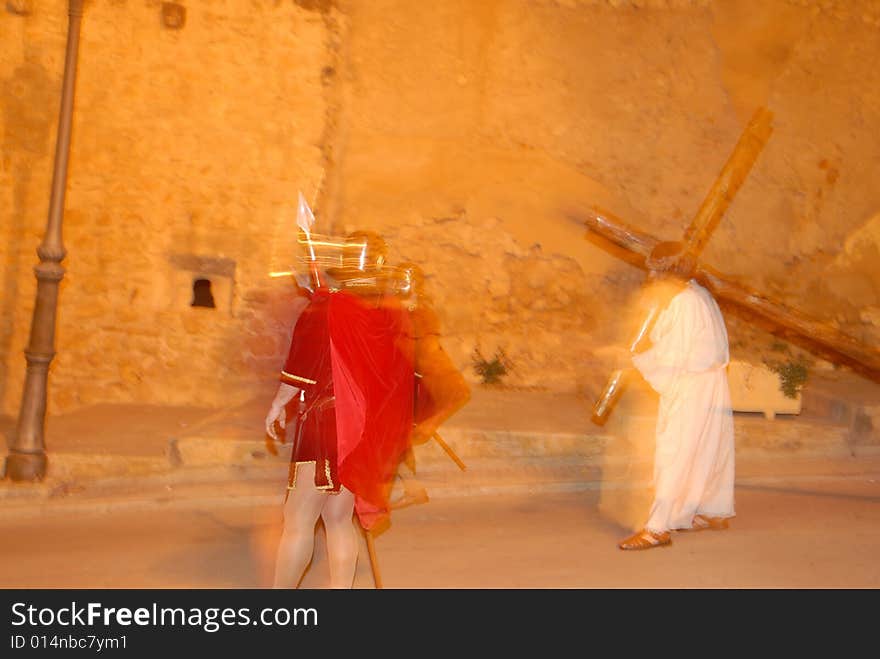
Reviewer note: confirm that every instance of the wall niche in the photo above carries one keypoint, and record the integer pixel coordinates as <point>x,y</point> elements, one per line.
<point>202,283</point>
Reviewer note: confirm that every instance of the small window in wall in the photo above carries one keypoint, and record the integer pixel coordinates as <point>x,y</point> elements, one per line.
<point>202,296</point>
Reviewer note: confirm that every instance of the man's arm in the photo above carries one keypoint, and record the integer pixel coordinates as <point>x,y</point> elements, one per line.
<point>286,393</point>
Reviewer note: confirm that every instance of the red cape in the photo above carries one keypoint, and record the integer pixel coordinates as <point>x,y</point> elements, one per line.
<point>372,359</point>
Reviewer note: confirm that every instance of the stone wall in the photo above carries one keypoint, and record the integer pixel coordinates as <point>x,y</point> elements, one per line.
<point>473,135</point>
<point>477,133</point>
<point>189,146</point>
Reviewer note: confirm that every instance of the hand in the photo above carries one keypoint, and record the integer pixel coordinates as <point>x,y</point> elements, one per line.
<point>422,432</point>
<point>276,413</point>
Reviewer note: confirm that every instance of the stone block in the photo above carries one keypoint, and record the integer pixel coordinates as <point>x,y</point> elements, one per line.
<point>755,388</point>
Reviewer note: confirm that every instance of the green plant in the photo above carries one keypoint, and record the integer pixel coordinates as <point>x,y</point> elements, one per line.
<point>792,376</point>
<point>491,370</point>
<point>779,346</point>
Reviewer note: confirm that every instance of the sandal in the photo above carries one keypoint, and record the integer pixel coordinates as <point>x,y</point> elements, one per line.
<point>646,539</point>
<point>703,523</point>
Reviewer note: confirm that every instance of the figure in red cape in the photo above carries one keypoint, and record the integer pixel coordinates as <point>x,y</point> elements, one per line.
<point>349,372</point>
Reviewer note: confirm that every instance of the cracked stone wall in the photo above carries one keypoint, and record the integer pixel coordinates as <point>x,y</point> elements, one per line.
<point>476,135</point>
<point>472,135</point>
<point>190,141</point>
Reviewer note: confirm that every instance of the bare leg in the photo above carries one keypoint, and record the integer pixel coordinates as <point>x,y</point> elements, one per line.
<point>301,512</point>
<point>342,542</point>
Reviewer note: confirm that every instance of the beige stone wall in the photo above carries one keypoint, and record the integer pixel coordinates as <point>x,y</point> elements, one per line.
<point>476,133</point>
<point>189,147</point>
<point>472,134</point>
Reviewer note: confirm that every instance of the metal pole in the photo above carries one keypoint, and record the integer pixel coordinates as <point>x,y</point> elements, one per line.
<point>27,456</point>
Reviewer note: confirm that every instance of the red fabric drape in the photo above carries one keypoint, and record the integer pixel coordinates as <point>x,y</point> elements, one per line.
<point>372,359</point>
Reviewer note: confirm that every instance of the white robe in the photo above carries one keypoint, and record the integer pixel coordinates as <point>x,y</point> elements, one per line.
<point>694,455</point>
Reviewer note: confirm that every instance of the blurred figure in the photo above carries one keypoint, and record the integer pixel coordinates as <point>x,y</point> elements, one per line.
<point>350,366</point>
<point>686,365</point>
<point>440,389</point>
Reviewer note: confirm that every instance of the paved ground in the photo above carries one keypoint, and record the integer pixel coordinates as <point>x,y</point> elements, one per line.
<point>806,532</point>
<point>190,498</point>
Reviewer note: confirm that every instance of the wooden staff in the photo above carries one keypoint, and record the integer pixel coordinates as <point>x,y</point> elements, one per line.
<point>449,451</point>
<point>374,562</point>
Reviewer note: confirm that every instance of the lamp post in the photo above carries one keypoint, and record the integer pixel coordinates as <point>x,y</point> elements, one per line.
<point>27,456</point>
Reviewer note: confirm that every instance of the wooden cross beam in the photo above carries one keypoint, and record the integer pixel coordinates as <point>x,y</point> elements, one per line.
<point>728,182</point>
<point>818,335</point>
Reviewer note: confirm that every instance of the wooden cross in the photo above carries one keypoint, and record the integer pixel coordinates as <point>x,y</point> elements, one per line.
<point>819,336</point>
<point>732,176</point>
<point>726,185</point>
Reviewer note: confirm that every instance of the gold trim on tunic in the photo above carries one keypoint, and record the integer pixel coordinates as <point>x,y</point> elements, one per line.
<point>298,378</point>
<point>292,481</point>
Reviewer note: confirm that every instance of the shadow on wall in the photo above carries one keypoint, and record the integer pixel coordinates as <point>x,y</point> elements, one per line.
<point>28,98</point>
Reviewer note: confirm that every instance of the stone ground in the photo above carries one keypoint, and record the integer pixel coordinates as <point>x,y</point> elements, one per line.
<point>149,497</point>
<point>812,533</point>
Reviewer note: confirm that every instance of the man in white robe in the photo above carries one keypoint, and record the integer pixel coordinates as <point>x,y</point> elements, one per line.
<point>687,365</point>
